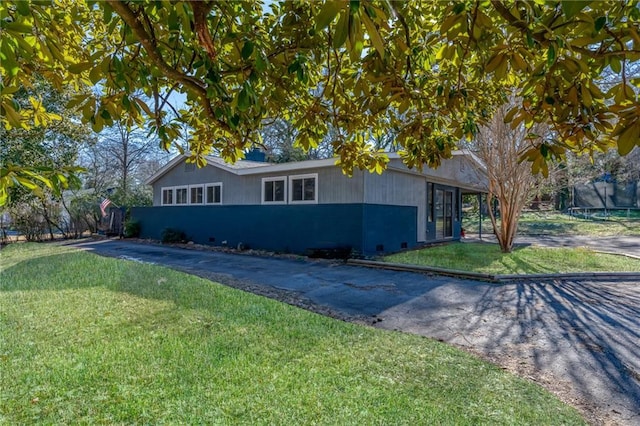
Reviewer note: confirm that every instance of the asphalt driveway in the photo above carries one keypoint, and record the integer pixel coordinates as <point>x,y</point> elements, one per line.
<point>581,340</point>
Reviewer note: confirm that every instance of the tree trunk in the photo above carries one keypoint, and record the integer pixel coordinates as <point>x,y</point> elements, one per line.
<point>45,214</point>
<point>506,232</point>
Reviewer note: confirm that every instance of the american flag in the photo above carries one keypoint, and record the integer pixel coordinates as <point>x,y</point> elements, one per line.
<point>103,206</point>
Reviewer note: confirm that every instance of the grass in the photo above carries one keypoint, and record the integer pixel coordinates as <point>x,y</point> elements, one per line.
<point>487,258</point>
<point>562,224</point>
<point>86,339</point>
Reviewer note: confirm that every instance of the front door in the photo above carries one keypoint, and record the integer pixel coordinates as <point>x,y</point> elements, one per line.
<point>444,213</point>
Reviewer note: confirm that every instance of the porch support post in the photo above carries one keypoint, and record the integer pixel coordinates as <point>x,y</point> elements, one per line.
<point>480,215</point>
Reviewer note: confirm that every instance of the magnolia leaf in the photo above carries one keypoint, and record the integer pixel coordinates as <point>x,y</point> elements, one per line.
<point>25,182</point>
<point>629,138</point>
<point>98,124</point>
<point>79,67</point>
<point>341,31</point>
<point>374,35</point>
<point>18,27</point>
<point>494,62</point>
<point>95,75</point>
<point>23,8</point>
<point>9,90</point>
<point>509,116</point>
<point>12,116</point>
<point>8,61</point>
<point>449,22</point>
<point>328,13</point>
<point>551,55</point>
<point>586,96</point>
<point>76,100</point>
<point>247,49</point>
<point>144,106</point>
<point>600,23</point>
<point>261,63</point>
<point>570,8</point>
<point>244,101</point>
<point>4,195</point>
<point>502,69</point>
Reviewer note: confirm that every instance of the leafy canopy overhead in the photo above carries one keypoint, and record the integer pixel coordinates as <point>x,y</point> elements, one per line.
<point>431,71</point>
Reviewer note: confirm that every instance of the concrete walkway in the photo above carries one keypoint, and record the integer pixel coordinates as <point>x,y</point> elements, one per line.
<point>581,340</point>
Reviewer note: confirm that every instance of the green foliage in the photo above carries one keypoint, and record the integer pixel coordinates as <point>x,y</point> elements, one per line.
<point>40,155</point>
<point>135,197</point>
<point>171,236</point>
<point>137,343</point>
<point>132,229</point>
<point>430,71</point>
<point>34,217</point>
<point>84,212</point>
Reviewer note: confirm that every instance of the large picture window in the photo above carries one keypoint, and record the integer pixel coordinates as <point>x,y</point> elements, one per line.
<point>214,193</point>
<point>274,190</point>
<point>304,188</point>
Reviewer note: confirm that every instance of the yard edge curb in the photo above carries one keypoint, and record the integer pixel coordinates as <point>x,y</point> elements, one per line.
<point>593,276</point>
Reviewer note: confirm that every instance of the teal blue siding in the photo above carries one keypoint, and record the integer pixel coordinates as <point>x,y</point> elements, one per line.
<point>287,228</point>
<point>389,228</point>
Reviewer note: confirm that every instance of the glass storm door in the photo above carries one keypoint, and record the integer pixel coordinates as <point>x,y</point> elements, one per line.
<point>448,214</point>
<point>444,213</point>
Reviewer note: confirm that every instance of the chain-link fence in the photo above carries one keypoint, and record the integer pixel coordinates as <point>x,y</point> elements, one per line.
<point>607,195</point>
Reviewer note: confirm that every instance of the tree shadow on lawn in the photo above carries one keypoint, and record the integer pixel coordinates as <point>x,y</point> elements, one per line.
<point>212,304</point>
<point>78,270</point>
<point>526,267</point>
<point>483,260</point>
<point>584,334</point>
<point>548,228</point>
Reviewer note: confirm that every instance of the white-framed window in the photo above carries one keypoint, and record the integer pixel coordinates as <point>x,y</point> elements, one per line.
<point>182,195</point>
<point>274,190</point>
<point>196,194</point>
<point>167,196</point>
<point>303,189</point>
<point>213,193</point>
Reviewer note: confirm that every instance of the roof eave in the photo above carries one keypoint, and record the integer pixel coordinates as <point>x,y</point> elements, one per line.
<point>164,169</point>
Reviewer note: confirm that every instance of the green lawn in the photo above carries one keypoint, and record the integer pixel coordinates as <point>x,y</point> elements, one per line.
<point>561,224</point>
<point>86,339</point>
<point>487,258</point>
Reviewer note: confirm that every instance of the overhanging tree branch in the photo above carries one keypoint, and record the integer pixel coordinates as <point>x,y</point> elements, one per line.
<point>129,17</point>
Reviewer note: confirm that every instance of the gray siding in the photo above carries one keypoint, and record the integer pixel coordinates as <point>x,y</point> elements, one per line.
<point>336,188</point>
<point>333,186</point>
<point>235,189</point>
<point>400,189</point>
<point>457,171</point>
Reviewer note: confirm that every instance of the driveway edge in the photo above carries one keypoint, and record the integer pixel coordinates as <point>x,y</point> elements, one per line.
<point>593,276</point>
